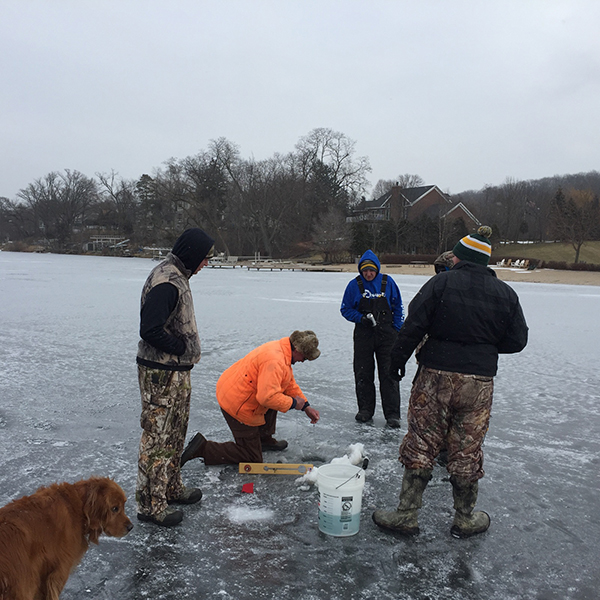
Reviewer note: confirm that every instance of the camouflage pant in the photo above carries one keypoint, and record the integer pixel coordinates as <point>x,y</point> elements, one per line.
<point>450,408</point>
<point>164,420</point>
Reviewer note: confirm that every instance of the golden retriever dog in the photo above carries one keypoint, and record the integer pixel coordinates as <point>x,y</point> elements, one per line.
<point>44,536</point>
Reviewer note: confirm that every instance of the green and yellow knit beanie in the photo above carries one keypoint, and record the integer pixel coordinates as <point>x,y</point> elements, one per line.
<point>475,247</point>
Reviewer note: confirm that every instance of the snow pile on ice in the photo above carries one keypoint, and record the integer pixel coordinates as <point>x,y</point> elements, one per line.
<point>355,456</point>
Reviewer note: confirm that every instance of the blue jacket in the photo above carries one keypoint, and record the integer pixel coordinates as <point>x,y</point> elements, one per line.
<point>352,295</point>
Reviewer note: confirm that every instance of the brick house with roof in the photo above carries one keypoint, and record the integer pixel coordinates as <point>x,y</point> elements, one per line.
<point>420,219</point>
<point>411,203</point>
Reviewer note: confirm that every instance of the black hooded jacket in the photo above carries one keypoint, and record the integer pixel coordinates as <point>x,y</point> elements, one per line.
<point>191,248</point>
<point>470,317</point>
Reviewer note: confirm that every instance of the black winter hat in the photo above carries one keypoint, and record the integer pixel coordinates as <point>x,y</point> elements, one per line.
<point>192,247</point>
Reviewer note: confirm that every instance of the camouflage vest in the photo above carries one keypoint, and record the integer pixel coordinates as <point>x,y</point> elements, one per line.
<point>181,322</point>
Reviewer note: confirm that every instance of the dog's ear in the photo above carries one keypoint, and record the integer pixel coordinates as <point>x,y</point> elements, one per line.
<point>95,509</point>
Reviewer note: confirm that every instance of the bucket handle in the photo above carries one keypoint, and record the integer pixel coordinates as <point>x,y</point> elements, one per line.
<point>356,475</point>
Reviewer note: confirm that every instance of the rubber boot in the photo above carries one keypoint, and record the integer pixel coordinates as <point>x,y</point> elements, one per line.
<point>167,518</point>
<point>466,522</point>
<point>404,520</point>
<point>187,496</point>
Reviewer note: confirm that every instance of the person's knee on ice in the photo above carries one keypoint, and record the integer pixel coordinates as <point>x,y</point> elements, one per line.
<point>251,394</point>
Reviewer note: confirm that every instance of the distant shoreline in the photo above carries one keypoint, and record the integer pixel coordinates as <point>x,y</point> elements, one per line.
<point>506,274</point>
<point>503,273</point>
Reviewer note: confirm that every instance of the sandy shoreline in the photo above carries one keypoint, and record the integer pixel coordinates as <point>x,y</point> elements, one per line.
<point>535,276</point>
<point>504,273</point>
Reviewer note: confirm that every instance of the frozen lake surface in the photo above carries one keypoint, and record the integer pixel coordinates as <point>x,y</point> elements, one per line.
<point>69,409</point>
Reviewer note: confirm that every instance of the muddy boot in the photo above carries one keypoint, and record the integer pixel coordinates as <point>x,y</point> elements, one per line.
<point>466,522</point>
<point>167,518</point>
<point>187,496</point>
<point>194,449</point>
<point>404,519</point>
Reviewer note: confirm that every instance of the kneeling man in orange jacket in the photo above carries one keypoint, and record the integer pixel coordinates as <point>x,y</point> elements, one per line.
<point>250,393</point>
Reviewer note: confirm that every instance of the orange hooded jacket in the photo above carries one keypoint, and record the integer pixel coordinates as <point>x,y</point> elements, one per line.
<point>263,379</point>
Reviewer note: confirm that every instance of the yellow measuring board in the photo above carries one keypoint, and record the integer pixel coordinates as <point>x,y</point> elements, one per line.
<point>275,468</point>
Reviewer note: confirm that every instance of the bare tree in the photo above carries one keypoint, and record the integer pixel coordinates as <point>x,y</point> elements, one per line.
<point>59,201</point>
<point>331,236</point>
<point>409,181</point>
<point>40,197</point>
<point>16,221</point>
<point>172,192</point>
<point>120,195</point>
<point>575,217</point>
<point>337,152</point>
<point>538,207</point>
<point>265,203</point>
<point>506,208</point>
<point>207,188</point>
<point>383,186</point>
<point>258,201</point>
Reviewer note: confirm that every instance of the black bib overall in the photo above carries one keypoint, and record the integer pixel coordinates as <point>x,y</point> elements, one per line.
<point>375,343</point>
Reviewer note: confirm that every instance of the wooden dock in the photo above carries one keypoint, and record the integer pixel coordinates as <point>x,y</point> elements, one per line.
<point>232,262</point>
<point>223,265</point>
<point>292,267</point>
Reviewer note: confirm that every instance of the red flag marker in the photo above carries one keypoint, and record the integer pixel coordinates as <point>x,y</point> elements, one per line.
<point>248,488</point>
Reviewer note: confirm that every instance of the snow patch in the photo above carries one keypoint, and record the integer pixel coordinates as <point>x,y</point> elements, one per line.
<point>354,456</point>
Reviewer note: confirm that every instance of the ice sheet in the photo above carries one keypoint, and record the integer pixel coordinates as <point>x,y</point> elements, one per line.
<point>70,408</point>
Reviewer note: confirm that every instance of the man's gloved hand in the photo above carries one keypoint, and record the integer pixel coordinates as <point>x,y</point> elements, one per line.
<point>397,371</point>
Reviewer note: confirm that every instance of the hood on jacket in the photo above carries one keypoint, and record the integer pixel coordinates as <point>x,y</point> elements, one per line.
<point>370,256</point>
<point>192,247</point>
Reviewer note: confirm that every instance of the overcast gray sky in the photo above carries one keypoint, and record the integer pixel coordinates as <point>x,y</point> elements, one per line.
<point>461,92</point>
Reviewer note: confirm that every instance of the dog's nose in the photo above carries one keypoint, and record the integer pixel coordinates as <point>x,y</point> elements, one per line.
<point>129,526</point>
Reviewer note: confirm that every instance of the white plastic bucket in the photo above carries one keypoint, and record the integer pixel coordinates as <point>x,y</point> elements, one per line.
<point>340,490</point>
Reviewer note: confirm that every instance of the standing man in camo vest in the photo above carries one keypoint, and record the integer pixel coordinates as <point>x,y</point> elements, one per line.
<point>167,352</point>
<point>372,301</point>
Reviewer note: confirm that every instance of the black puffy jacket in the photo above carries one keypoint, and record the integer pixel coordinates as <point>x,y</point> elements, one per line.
<point>469,315</point>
